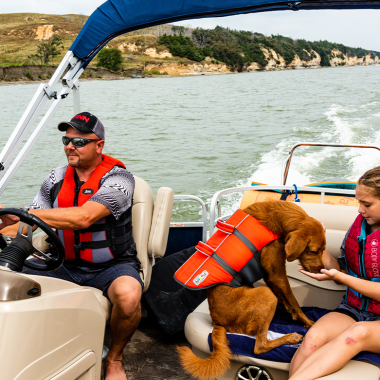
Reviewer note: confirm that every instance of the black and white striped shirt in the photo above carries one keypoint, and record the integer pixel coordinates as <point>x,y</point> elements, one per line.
<point>115,190</point>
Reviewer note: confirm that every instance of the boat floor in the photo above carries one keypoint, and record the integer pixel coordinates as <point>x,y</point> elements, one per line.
<point>151,354</point>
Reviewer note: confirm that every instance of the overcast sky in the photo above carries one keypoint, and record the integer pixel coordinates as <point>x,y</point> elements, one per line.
<point>355,28</point>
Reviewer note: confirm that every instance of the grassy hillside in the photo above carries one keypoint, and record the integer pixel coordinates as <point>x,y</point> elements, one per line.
<point>21,33</point>
<point>18,34</point>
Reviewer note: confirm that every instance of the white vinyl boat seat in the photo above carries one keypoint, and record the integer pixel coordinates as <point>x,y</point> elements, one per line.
<point>150,223</point>
<point>308,292</point>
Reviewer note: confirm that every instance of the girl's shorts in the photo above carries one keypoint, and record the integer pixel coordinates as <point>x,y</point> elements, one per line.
<point>356,314</point>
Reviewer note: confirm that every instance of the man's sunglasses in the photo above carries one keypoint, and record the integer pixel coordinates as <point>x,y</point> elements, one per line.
<point>78,142</point>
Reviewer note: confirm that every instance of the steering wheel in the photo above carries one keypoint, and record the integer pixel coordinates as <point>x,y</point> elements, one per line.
<point>14,255</point>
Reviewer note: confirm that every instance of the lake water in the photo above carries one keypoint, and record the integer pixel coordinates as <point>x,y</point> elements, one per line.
<point>198,135</point>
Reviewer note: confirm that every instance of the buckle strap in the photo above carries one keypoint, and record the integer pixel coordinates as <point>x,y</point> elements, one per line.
<point>246,242</point>
<point>102,243</point>
<point>252,270</point>
<point>224,265</point>
<point>105,227</point>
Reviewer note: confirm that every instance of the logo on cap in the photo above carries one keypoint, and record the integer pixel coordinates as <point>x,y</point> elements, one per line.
<point>81,117</point>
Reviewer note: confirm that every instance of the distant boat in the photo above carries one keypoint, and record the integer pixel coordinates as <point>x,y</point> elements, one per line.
<point>137,76</point>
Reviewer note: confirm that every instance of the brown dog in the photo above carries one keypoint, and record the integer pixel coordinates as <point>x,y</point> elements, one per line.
<point>248,310</point>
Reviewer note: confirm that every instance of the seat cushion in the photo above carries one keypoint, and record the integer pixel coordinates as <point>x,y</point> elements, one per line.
<point>198,327</point>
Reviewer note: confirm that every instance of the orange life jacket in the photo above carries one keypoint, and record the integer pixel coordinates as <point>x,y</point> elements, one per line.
<point>93,244</point>
<point>230,257</point>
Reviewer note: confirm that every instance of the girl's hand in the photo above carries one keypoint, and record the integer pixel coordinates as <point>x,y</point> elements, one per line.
<point>325,274</point>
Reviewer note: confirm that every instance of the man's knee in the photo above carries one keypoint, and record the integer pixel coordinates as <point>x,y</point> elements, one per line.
<point>125,292</point>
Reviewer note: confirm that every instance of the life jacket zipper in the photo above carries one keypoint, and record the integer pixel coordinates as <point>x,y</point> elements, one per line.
<point>364,304</point>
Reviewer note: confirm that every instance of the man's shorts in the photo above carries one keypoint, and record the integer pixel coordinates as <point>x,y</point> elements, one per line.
<point>97,278</point>
<point>356,314</point>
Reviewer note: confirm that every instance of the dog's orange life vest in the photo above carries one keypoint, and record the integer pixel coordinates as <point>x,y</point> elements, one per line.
<point>230,257</point>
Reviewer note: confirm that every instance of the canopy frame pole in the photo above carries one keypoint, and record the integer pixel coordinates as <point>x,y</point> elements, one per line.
<point>69,81</point>
<point>76,100</point>
<point>43,93</point>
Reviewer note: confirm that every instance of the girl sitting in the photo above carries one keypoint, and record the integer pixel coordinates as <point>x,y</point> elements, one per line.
<point>355,325</point>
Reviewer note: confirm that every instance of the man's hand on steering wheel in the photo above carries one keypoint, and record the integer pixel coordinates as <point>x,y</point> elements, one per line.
<point>7,220</point>
<point>14,255</point>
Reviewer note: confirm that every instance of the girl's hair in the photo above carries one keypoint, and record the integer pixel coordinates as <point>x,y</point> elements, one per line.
<point>371,178</point>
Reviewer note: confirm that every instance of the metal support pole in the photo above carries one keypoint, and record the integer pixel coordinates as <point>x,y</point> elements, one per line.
<point>76,100</point>
<point>44,92</point>
<point>31,141</point>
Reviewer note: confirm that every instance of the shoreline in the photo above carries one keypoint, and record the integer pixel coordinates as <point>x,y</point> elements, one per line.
<point>109,75</point>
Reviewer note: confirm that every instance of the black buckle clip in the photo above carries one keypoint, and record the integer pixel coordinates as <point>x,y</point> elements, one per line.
<point>294,5</point>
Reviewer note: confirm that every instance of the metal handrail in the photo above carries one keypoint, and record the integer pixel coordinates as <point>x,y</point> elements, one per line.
<point>320,190</point>
<point>286,163</point>
<point>204,211</point>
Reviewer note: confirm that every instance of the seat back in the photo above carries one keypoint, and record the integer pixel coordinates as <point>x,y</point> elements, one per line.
<point>337,220</point>
<point>150,225</point>
<point>142,212</point>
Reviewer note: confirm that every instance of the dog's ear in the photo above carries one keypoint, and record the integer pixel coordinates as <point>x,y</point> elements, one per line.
<point>295,245</point>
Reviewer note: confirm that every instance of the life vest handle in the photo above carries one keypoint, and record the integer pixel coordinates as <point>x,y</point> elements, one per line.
<point>225,227</point>
<point>204,248</point>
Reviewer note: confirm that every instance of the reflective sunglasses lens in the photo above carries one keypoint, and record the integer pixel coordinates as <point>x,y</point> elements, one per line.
<point>79,142</point>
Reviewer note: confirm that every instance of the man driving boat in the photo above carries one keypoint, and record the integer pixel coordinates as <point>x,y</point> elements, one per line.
<point>89,202</point>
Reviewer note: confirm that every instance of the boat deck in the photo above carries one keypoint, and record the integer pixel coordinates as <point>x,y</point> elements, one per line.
<point>151,354</point>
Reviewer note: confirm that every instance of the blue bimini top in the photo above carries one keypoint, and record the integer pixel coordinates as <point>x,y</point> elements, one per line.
<point>116,17</point>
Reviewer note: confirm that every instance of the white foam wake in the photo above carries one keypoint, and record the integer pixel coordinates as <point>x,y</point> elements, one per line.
<point>342,124</point>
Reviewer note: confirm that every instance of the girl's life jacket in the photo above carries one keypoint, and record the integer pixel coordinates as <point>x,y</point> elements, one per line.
<point>230,257</point>
<point>363,261</point>
<point>107,238</point>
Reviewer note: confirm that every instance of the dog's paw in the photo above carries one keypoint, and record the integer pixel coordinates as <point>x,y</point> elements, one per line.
<point>295,338</point>
<point>308,323</point>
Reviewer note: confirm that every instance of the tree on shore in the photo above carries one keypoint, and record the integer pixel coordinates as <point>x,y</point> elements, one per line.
<point>46,51</point>
<point>110,59</point>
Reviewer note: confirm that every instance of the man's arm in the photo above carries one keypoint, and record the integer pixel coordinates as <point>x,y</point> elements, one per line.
<point>71,218</point>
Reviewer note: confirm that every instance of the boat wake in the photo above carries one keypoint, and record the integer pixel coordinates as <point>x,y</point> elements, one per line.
<point>340,124</point>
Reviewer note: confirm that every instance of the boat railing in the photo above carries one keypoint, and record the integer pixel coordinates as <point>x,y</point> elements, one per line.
<point>202,224</point>
<point>319,190</point>
<point>288,159</point>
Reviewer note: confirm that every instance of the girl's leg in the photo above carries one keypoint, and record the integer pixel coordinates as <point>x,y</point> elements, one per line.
<point>360,336</point>
<point>325,329</point>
